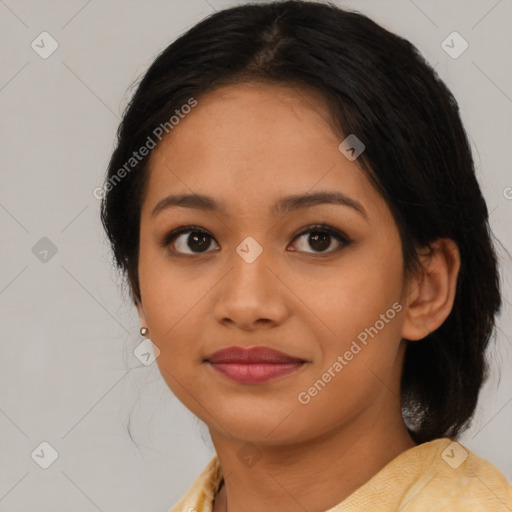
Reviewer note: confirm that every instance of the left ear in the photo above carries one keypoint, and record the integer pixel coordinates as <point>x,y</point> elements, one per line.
<point>431,294</point>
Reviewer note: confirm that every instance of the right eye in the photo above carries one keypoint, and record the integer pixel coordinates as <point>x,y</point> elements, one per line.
<point>188,238</point>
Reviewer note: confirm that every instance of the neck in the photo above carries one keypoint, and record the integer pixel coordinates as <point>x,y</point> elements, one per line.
<point>314,475</point>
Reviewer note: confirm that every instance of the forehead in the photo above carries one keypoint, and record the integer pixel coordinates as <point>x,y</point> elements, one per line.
<point>252,143</point>
<point>256,118</point>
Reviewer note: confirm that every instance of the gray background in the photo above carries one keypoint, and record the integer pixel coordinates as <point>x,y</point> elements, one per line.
<point>68,375</point>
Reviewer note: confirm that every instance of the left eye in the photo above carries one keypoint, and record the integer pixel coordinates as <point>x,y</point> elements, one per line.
<point>320,238</point>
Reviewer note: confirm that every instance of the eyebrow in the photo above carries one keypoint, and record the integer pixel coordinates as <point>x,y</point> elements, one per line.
<point>284,205</point>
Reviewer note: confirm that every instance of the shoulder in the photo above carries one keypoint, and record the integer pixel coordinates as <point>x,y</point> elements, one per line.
<point>455,479</point>
<point>200,495</point>
<point>438,476</point>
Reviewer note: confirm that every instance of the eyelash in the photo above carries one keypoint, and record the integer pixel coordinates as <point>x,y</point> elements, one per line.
<point>319,228</point>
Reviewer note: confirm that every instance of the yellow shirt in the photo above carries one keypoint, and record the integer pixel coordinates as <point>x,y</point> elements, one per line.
<point>438,476</point>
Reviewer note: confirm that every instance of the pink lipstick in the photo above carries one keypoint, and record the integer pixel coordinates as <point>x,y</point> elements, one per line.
<point>253,365</point>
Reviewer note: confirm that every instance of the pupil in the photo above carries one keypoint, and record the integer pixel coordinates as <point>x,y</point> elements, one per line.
<point>319,238</point>
<point>199,239</point>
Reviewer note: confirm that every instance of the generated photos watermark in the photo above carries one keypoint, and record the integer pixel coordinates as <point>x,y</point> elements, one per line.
<point>304,397</point>
<point>144,150</point>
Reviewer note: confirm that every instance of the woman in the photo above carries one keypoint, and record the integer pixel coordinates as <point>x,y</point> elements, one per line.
<point>294,203</point>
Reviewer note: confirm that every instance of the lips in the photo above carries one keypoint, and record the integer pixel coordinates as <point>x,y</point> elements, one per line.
<point>253,365</point>
<point>253,355</point>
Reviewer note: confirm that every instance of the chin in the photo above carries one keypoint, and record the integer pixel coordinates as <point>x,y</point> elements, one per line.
<point>258,428</point>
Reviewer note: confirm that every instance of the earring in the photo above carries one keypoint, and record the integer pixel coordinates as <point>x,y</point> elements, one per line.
<point>144,331</point>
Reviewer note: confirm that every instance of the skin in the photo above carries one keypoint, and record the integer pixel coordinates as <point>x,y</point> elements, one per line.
<point>248,145</point>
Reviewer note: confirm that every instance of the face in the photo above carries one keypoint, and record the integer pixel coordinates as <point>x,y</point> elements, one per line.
<point>319,281</point>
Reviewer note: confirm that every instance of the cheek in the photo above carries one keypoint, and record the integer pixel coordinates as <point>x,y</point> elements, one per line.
<point>355,372</point>
<point>363,311</point>
<point>355,294</point>
<point>335,400</point>
<point>170,303</point>
<point>166,294</point>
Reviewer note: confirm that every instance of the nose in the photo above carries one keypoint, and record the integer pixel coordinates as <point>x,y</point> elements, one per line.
<point>251,296</point>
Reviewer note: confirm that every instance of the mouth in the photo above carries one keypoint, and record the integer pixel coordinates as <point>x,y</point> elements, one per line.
<point>253,365</point>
